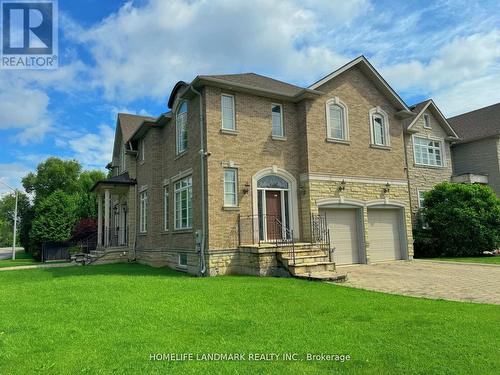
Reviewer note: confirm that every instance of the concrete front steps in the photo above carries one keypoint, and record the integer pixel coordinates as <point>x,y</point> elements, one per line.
<point>117,254</point>
<point>311,262</point>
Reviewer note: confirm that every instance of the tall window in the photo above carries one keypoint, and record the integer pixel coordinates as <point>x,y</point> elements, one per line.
<point>230,187</point>
<point>336,122</point>
<point>228,120</point>
<point>379,127</point>
<point>165,208</point>
<point>181,127</point>
<point>183,196</point>
<point>142,150</point>
<point>427,121</point>
<point>277,114</point>
<point>428,152</point>
<point>421,198</point>
<point>123,159</point>
<point>143,212</point>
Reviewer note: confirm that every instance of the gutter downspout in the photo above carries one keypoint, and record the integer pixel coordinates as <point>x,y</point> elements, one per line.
<point>405,148</point>
<point>203,154</point>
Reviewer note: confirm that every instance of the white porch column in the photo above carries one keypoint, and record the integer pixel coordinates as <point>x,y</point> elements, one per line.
<point>99,219</point>
<point>107,200</point>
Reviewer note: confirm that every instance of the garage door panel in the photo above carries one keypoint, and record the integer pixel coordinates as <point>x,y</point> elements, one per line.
<point>343,227</point>
<point>384,234</point>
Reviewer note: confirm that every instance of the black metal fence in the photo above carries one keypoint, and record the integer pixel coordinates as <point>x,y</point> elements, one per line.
<point>116,236</point>
<point>56,251</point>
<point>320,233</point>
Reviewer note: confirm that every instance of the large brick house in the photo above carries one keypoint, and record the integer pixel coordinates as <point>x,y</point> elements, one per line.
<point>246,174</point>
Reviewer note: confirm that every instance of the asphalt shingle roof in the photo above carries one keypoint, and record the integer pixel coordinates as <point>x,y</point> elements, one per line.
<point>483,122</point>
<point>130,123</point>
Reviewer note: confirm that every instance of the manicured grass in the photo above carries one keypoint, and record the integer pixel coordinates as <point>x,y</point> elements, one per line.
<point>488,260</point>
<point>108,319</point>
<point>22,259</point>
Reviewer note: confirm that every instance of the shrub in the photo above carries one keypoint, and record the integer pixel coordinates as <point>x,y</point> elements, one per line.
<point>84,229</point>
<point>463,220</point>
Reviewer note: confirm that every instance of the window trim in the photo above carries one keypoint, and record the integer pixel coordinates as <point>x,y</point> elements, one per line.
<point>419,191</point>
<point>441,149</point>
<point>233,129</point>
<point>142,150</point>
<point>143,211</point>
<point>427,124</point>
<point>179,263</point>
<point>283,135</point>
<point>336,101</point>
<point>379,111</point>
<point>235,170</point>
<point>190,207</point>
<point>178,151</point>
<point>166,207</point>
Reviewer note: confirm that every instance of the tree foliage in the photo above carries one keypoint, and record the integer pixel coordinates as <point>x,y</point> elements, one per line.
<point>7,209</point>
<point>462,220</point>
<point>55,218</point>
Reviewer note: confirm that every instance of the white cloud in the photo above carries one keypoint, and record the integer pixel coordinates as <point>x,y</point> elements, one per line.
<point>11,174</point>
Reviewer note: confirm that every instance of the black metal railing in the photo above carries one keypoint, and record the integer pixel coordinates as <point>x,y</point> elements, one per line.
<point>115,237</point>
<point>266,229</point>
<point>320,234</point>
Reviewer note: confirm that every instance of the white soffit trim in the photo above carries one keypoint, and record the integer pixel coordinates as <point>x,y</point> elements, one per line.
<point>371,69</point>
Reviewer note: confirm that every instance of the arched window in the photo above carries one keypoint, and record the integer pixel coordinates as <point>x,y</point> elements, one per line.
<point>181,127</point>
<point>379,127</point>
<point>272,182</point>
<point>336,120</point>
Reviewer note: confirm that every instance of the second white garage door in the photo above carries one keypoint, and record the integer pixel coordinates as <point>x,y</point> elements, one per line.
<point>343,225</point>
<point>384,234</point>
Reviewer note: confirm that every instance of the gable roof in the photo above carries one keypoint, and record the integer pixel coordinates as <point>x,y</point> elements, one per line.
<point>259,82</point>
<point>130,123</point>
<point>429,104</point>
<point>477,124</point>
<point>121,179</point>
<point>364,65</point>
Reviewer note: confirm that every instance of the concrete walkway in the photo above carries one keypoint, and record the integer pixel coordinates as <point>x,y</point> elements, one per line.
<point>32,266</point>
<point>439,280</point>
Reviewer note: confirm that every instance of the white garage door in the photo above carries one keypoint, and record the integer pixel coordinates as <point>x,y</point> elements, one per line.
<point>384,234</point>
<point>343,234</point>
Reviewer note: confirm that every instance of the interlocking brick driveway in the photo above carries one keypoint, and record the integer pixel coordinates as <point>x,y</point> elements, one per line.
<point>440,280</point>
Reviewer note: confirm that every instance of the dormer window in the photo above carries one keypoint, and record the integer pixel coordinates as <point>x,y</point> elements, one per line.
<point>427,121</point>
<point>181,127</point>
<point>379,127</point>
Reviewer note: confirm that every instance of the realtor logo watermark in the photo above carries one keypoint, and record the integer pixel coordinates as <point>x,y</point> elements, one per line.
<point>29,31</point>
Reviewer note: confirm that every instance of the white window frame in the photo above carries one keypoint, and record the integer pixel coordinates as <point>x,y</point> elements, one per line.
<point>222,112</point>
<point>143,211</point>
<point>142,150</point>
<point>441,151</point>
<point>181,128</point>
<point>179,262</point>
<point>282,124</point>
<point>235,171</point>
<point>427,123</point>
<point>420,206</point>
<point>345,117</point>
<point>123,159</point>
<point>165,207</point>
<point>178,189</point>
<point>379,111</point>
<point>420,200</point>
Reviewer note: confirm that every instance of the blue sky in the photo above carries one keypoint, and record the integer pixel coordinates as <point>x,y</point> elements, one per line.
<point>118,56</point>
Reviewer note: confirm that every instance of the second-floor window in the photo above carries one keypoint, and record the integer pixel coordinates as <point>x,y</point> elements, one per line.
<point>277,115</point>
<point>379,127</point>
<point>183,202</point>
<point>428,152</point>
<point>142,150</point>
<point>228,117</point>
<point>230,187</point>
<point>181,127</point>
<point>143,212</point>
<point>336,121</point>
<point>123,159</point>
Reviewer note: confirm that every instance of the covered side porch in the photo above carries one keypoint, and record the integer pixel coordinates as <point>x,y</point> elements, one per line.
<point>113,224</point>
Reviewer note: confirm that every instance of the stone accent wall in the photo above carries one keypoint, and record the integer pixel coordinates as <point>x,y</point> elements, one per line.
<point>424,178</point>
<point>364,192</point>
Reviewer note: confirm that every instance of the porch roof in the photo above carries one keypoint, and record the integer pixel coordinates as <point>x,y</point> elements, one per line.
<point>113,182</point>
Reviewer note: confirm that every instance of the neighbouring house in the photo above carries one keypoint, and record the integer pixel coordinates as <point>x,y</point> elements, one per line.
<point>246,174</point>
<point>428,142</point>
<point>476,156</point>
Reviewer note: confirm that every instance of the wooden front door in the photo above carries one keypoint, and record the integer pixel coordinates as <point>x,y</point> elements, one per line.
<point>273,212</point>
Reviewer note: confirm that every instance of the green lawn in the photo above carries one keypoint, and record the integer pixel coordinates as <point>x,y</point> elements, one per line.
<point>108,319</point>
<point>22,259</point>
<point>488,260</point>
